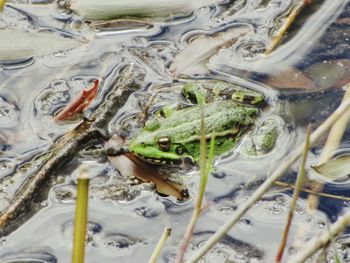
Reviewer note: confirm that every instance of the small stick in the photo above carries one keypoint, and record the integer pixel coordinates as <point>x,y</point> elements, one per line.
<point>160,245</point>
<point>340,197</point>
<point>280,170</point>
<point>298,186</point>
<point>321,240</point>
<point>81,216</point>
<point>105,152</point>
<point>282,30</point>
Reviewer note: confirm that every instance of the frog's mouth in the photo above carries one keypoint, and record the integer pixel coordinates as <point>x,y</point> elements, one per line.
<point>155,156</point>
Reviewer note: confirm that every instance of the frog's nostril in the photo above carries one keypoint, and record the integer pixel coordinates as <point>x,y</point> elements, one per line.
<point>180,150</point>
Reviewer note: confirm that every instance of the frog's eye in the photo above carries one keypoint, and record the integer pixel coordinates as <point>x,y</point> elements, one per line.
<point>164,144</point>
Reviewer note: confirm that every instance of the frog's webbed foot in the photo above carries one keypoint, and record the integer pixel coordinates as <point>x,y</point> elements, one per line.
<point>105,152</point>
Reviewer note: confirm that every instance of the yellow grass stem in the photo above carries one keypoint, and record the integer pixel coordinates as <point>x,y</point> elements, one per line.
<point>205,168</point>
<point>202,161</point>
<point>2,3</point>
<point>280,170</point>
<point>81,216</point>
<point>283,29</point>
<point>160,245</point>
<point>298,187</point>
<point>334,138</point>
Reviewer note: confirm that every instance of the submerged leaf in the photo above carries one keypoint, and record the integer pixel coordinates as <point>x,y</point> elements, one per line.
<point>291,79</point>
<point>79,103</point>
<point>193,59</point>
<point>108,9</point>
<point>334,169</point>
<point>16,44</point>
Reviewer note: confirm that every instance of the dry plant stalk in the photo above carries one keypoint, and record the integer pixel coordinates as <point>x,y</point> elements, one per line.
<point>322,240</point>
<point>2,4</point>
<point>334,138</point>
<point>280,170</point>
<point>205,167</point>
<point>292,186</point>
<point>81,211</point>
<point>160,245</point>
<point>282,30</point>
<point>298,187</point>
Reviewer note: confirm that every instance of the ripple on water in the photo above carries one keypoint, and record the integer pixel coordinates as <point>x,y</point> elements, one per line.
<point>29,257</point>
<point>115,231</point>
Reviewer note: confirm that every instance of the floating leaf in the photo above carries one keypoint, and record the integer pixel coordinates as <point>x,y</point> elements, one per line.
<point>334,169</point>
<point>193,59</point>
<point>131,166</point>
<point>108,9</point>
<point>120,25</point>
<point>79,103</point>
<point>17,45</point>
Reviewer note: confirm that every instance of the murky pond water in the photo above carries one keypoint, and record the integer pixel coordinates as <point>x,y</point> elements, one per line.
<point>302,81</point>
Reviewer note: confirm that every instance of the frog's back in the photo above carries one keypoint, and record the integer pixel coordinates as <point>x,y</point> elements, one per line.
<point>221,117</point>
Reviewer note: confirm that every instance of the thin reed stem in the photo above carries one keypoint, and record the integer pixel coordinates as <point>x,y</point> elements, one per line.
<point>298,187</point>
<point>160,245</point>
<point>205,168</point>
<point>81,211</point>
<point>2,4</point>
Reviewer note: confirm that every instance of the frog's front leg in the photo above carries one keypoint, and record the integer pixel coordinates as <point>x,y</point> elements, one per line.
<point>262,140</point>
<point>194,93</point>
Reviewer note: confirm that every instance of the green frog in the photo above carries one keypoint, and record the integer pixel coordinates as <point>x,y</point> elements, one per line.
<point>172,134</point>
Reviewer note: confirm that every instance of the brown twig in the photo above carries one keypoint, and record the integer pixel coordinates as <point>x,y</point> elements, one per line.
<point>291,186</point>
<point>65,148</point>
<point>298,186</point>
<point>290,19</point>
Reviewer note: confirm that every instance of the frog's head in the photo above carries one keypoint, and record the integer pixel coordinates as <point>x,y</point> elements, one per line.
<point>157,147</point>
<point>249,97</point>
